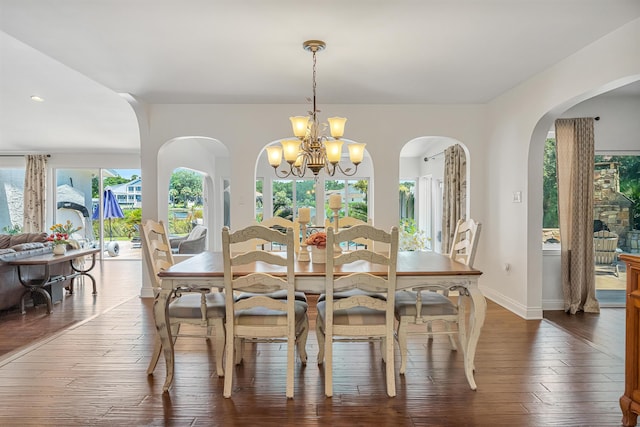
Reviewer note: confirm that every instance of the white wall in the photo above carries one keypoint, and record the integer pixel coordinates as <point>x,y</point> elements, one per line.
<point>519,122</point>
<point>618,130</point>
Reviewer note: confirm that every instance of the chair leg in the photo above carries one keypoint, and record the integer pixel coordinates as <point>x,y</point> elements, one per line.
<point>229,348</point>
<point>402,342</point>
<point>320,337</point>
<point>238,344</point>
<point>390,367</point>
<point>383,349</point>
<point>219,346</point>
<point>429,330</point>
<point>291,359</point>
<point>328,364</point>
<point>301,340</point>
<point>452,339</point>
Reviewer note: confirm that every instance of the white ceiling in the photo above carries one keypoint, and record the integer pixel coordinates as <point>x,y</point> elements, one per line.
<point>79,55</point>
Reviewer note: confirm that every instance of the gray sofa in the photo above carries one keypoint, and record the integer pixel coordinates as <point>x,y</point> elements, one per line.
<point>21,246</point>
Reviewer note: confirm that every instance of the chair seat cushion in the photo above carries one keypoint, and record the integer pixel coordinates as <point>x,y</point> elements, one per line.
<point>188,305</point>
<point>281,294</point>
<point>433,304</point>
<point>353,292</point>
<point>356,316</point>
<point>261,316</point>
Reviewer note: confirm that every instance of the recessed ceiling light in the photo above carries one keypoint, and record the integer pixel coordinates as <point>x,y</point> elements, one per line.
<point>36,98</point>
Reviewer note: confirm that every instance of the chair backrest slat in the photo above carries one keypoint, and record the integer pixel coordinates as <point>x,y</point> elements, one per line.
<point>157,248</point>
<point>348,222</point>
<point>362,280</point>
<point>257,282</point>
<point>465,241</point>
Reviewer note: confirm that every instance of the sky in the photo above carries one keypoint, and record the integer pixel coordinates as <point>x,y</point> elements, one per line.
<point>127,173</point>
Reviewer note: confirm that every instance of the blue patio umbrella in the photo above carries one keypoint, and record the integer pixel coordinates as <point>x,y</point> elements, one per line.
<point>110,209</point>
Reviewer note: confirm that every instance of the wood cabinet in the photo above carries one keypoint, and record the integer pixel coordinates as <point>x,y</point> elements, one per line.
<point>630,400</point>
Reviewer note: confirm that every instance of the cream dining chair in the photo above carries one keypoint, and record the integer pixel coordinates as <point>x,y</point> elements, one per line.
<point>358,316</point>
<point>428,304</point>
<point>260,317</point>
<point>191,306</point>
<point>347,222</point>
<point>280,224</point>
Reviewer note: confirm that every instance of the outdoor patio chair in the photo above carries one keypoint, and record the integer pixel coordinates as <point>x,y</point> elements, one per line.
<point>193,243</point>
<point>605,244</point>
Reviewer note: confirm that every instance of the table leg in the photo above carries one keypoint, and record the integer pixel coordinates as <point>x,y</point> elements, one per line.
<point>84,272</point>
<point>161,316</point>
<point>36,285</point>
<point>478,311</point>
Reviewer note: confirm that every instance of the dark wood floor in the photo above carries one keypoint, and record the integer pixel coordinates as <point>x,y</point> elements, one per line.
<point>560,371</point>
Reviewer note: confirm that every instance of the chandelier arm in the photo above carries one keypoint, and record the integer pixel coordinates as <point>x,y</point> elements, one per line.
<point>346,171</point>
<point>286,174</point>
<point>295,171</point>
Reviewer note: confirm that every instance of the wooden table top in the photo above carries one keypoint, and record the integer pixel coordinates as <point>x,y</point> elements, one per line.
<point>210,264</point>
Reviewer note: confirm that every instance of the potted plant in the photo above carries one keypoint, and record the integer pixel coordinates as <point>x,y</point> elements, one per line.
<point>318,243</point>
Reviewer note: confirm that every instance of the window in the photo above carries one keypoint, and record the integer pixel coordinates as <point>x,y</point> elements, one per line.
<point>354,194</point>
<point>186,189</point>
<point>412,237</point>
<point>11,200</point>
<point>616,194</point>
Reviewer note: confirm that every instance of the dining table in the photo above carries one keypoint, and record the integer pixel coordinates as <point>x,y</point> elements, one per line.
<point>414,269</point>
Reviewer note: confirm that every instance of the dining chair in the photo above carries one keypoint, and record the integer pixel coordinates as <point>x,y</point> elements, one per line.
<point>428,304</point>
<point>358,315</point>
<point>260,317</point>
<point>346,222</point>
<point>280,224</point>
<point>187,306</point>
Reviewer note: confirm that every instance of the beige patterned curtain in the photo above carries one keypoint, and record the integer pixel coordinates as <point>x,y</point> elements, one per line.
<point>35,180</point>
<point>575,157</point>
<point>454,193</point>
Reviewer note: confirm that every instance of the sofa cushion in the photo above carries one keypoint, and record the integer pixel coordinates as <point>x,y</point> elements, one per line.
<point>5,240</point>
<point>27,238</point>
<point>6,251</point>
<point>27,246</point>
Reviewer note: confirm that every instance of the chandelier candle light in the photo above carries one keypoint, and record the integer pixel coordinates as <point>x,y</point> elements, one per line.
<point>335,203</point>
<point>304,217</point>
<point>313,150</point>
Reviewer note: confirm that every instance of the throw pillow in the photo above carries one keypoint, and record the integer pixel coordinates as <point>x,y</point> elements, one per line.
<point>27,238</point>
<point>27,246</point>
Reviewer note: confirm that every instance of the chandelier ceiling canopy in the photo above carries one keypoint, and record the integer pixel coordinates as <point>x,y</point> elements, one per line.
<point>313,149</point>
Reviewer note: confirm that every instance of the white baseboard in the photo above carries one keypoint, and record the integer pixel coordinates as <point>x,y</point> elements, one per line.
<point>527,313</point>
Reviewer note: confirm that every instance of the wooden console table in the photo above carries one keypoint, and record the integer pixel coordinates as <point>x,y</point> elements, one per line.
<point>37,285</point>
<point>630,400</point>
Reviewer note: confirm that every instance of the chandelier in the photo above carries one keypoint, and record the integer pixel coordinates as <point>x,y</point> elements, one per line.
<point>313,150</point>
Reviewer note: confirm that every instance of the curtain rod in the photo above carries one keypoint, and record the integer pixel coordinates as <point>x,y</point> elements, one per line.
<point>426,159</point>
<point>20,155</point>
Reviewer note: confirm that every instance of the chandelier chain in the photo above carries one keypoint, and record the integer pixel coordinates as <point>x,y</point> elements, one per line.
<point>314,86</point>
<point>314,150</point>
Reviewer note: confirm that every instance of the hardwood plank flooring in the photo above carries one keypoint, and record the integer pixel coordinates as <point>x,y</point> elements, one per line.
<point>529,373</point>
